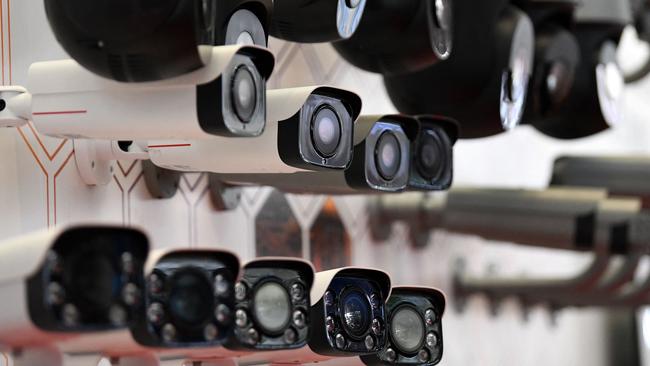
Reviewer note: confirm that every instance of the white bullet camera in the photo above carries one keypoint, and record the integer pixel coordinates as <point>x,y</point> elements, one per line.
<point>309,128</point>
<point>414,328</point>
<point>65,282</point>
<point>381,162</point>
<point>189,306</point>
<point>227,97</point>
<point>348,318</point>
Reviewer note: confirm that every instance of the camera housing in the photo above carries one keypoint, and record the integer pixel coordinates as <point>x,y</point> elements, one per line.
<point>397,37</point>
<point>414,327</point>
<point>309,128</point>
<point>385,137</point>
<point>315,21</point>
<point>432,165</point>
<point>594,102</point>
<point>261,323</point>
<point>224,98</point>
<point>557,56</point>
<point>190,299</point>
<point>364,291</point>
<point>487,95</point>
<point>139,41</point>
<point>70,281</point>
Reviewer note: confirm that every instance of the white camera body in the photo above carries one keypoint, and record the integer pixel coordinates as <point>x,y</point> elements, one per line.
<point>290,113</point>
<point>41,306</point>
<point>319,349</point>
<point>66,100</point>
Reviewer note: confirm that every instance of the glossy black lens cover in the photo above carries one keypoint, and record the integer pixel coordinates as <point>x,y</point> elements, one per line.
<point>296,145</point>
<point>88,264</point>
<point>185,290</point>
<point>418,301</point>
<point>432,165</point>
<point>286,276</point>
<point>354,294</point>
<point>236,17</point>
<point>398,37</point>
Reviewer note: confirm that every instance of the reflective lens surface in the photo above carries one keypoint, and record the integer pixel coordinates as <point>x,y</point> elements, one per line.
<point>326,131</point>
<point>407,330</point>
<point>244,93</point>
<point>430,159</point>
<point>90,276</point>
<point>356,312</point>
<point>191,298</point>
<point>388,155</point>
<point>272,307</point>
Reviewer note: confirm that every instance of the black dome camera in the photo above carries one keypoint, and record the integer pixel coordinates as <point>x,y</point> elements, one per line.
<point>145,40</point>
<point>397,37</point>
<point>484,83</point>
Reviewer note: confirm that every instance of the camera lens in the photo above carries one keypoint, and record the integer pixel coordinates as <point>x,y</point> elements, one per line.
<point>244,93</point>
<point>90,278</point>
<point>430,159</point>
<point>191,298</point>
<point>356,313</point>
<point>388,155</point>
<point>407,330</point>
<point>272,307</point>
<point>326,131</point>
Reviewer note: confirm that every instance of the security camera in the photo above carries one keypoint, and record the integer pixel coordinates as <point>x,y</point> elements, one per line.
<point>66,282</point>
<point>316,21</point>
<point>414,328</point>
<point>309,128</point>
<point>484,83</point>
<point>397,37</point>
<point>594,102</point>
<point>227,97</point>
<point>381,162</point>
<point>559,218</point>
<point>624,176</point>
<point>347,315</point>
<point>432,164</point>
<point>189,306</point>
<point>140,41</point>
<point>557,56</point>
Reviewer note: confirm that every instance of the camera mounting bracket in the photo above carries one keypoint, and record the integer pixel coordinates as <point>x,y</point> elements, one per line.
<point>224,197</point>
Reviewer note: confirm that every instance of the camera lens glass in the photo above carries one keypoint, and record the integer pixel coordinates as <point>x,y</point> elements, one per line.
<point>407,330</point>
<point>191,298</point>
<point>388,155</point>
<point>244,93</point>
<point>430,158</point>
<point>272,307</point>
<point>356,312</point>
<point>326,131</point>
<point>92,279</point>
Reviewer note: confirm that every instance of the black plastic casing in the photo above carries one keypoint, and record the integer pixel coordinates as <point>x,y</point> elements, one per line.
<point>468,86</point>
<point>286,273</point>
<point>445,131</point>
<point>228,18</point>
<point>419,300</point>
<point>208,265</point>
<point>295,145</point>
<point>109,243</point>
<point>307,21</point>
<point>131,40</point>
<point>398,37</point>
<point>581,116</point>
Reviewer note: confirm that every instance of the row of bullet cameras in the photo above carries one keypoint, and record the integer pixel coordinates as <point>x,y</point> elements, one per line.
<point>80,294</point>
